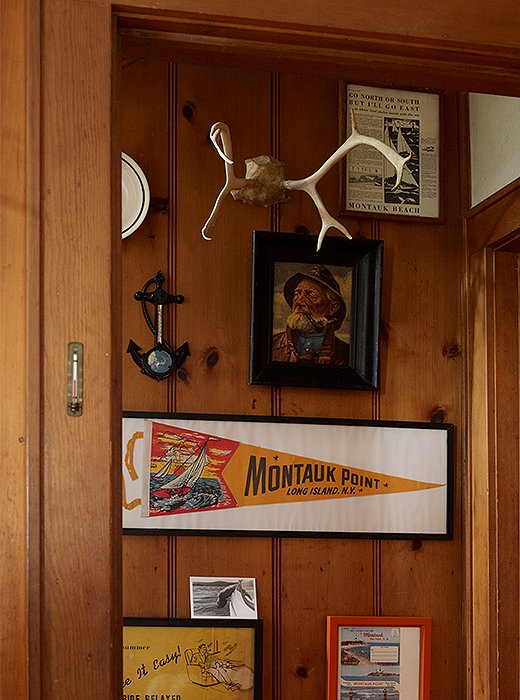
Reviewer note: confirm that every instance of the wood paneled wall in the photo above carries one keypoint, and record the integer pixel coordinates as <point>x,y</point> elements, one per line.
<point>59,185</point>
<point>167,110</point>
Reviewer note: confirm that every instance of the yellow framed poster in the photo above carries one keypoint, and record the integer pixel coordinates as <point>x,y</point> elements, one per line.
<point>189,659</point>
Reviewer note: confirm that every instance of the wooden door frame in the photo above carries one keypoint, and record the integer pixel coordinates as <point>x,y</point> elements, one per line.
<point>68,136</point>
<point>491,229</point>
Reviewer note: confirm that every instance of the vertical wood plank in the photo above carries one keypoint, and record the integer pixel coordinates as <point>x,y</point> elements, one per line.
<point>81,606</point>
<point>315,575</point>
<point>311,572</point>
<point>14,341</point>
<point>506,473</point>
<point>215,277</point>
<point>145,94</point>
<point>147,576</point>
<point>422,381</point>
<point>309,108</point>
<point>144,112</point>
<point>481,630</point>
<point>243,557</point>
<point>34,345</point>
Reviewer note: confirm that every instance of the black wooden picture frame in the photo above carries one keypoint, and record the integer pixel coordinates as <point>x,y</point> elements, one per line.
<point>349,271</point>
<point>290,477</point>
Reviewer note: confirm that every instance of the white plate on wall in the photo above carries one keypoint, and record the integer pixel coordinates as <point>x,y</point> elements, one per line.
<point>135,195</point>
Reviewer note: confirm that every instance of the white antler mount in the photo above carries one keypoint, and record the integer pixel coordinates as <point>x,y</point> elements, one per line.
<point>265,183</point>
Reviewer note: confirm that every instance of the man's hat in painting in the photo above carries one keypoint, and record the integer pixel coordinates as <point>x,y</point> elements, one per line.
<point>322,276</point>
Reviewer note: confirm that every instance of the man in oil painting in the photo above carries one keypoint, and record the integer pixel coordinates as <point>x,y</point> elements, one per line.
<point>317,311</point>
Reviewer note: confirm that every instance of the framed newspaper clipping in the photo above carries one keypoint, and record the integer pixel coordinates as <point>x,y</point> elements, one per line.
<point>408,122</point>
<point>384,658</point>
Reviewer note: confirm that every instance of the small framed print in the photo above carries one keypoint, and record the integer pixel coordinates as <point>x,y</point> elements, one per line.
<point>381,658</point>
<point>315,314</point>
<point>408,122</point>
<point>219,596</point>
<point>185,659</point>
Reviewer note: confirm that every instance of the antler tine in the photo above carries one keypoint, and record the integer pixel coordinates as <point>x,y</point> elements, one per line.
<point>399,168</point>
<point>327,220</point>
<point>220,131</point>
<point>308,184</point>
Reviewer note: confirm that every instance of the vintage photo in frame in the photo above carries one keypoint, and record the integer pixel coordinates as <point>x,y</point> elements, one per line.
<point>241,475</point>
<point>185,659</point>
<point>407,121</point>
<point>315,314</point>
<point>223,596</point>
<point>381,658</point>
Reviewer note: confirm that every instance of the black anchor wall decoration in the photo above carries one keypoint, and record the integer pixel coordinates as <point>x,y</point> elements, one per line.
<point>161,361</point>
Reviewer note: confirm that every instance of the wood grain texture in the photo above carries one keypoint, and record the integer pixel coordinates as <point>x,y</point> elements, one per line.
<point>496,221</point>
<point>148,582</point>
<point>318,53</point>
<point>480,452</point>
<point>81,610</point>
<point>308,135</point>
<point>318,577</point>
<point>144,115</point>
<point>422,370</point>
<point>215,275</point>
<point>506,475</point>
<point>240,557</point>
<point>15,270</point>
<point>311,572</point>
<point>144,111</point>
<point>445,22</point>
<point>79,601</point>
<point>493,459</point>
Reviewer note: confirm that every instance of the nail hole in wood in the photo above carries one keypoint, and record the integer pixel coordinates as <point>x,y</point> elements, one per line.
<point>451,350</point>
<point>188,111</point>
<point>438,415</point>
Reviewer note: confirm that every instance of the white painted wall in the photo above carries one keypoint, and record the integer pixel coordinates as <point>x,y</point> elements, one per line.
<point>494,142</point>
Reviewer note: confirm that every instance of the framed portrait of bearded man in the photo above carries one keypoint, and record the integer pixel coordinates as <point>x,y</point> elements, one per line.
<point>315,314</point>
